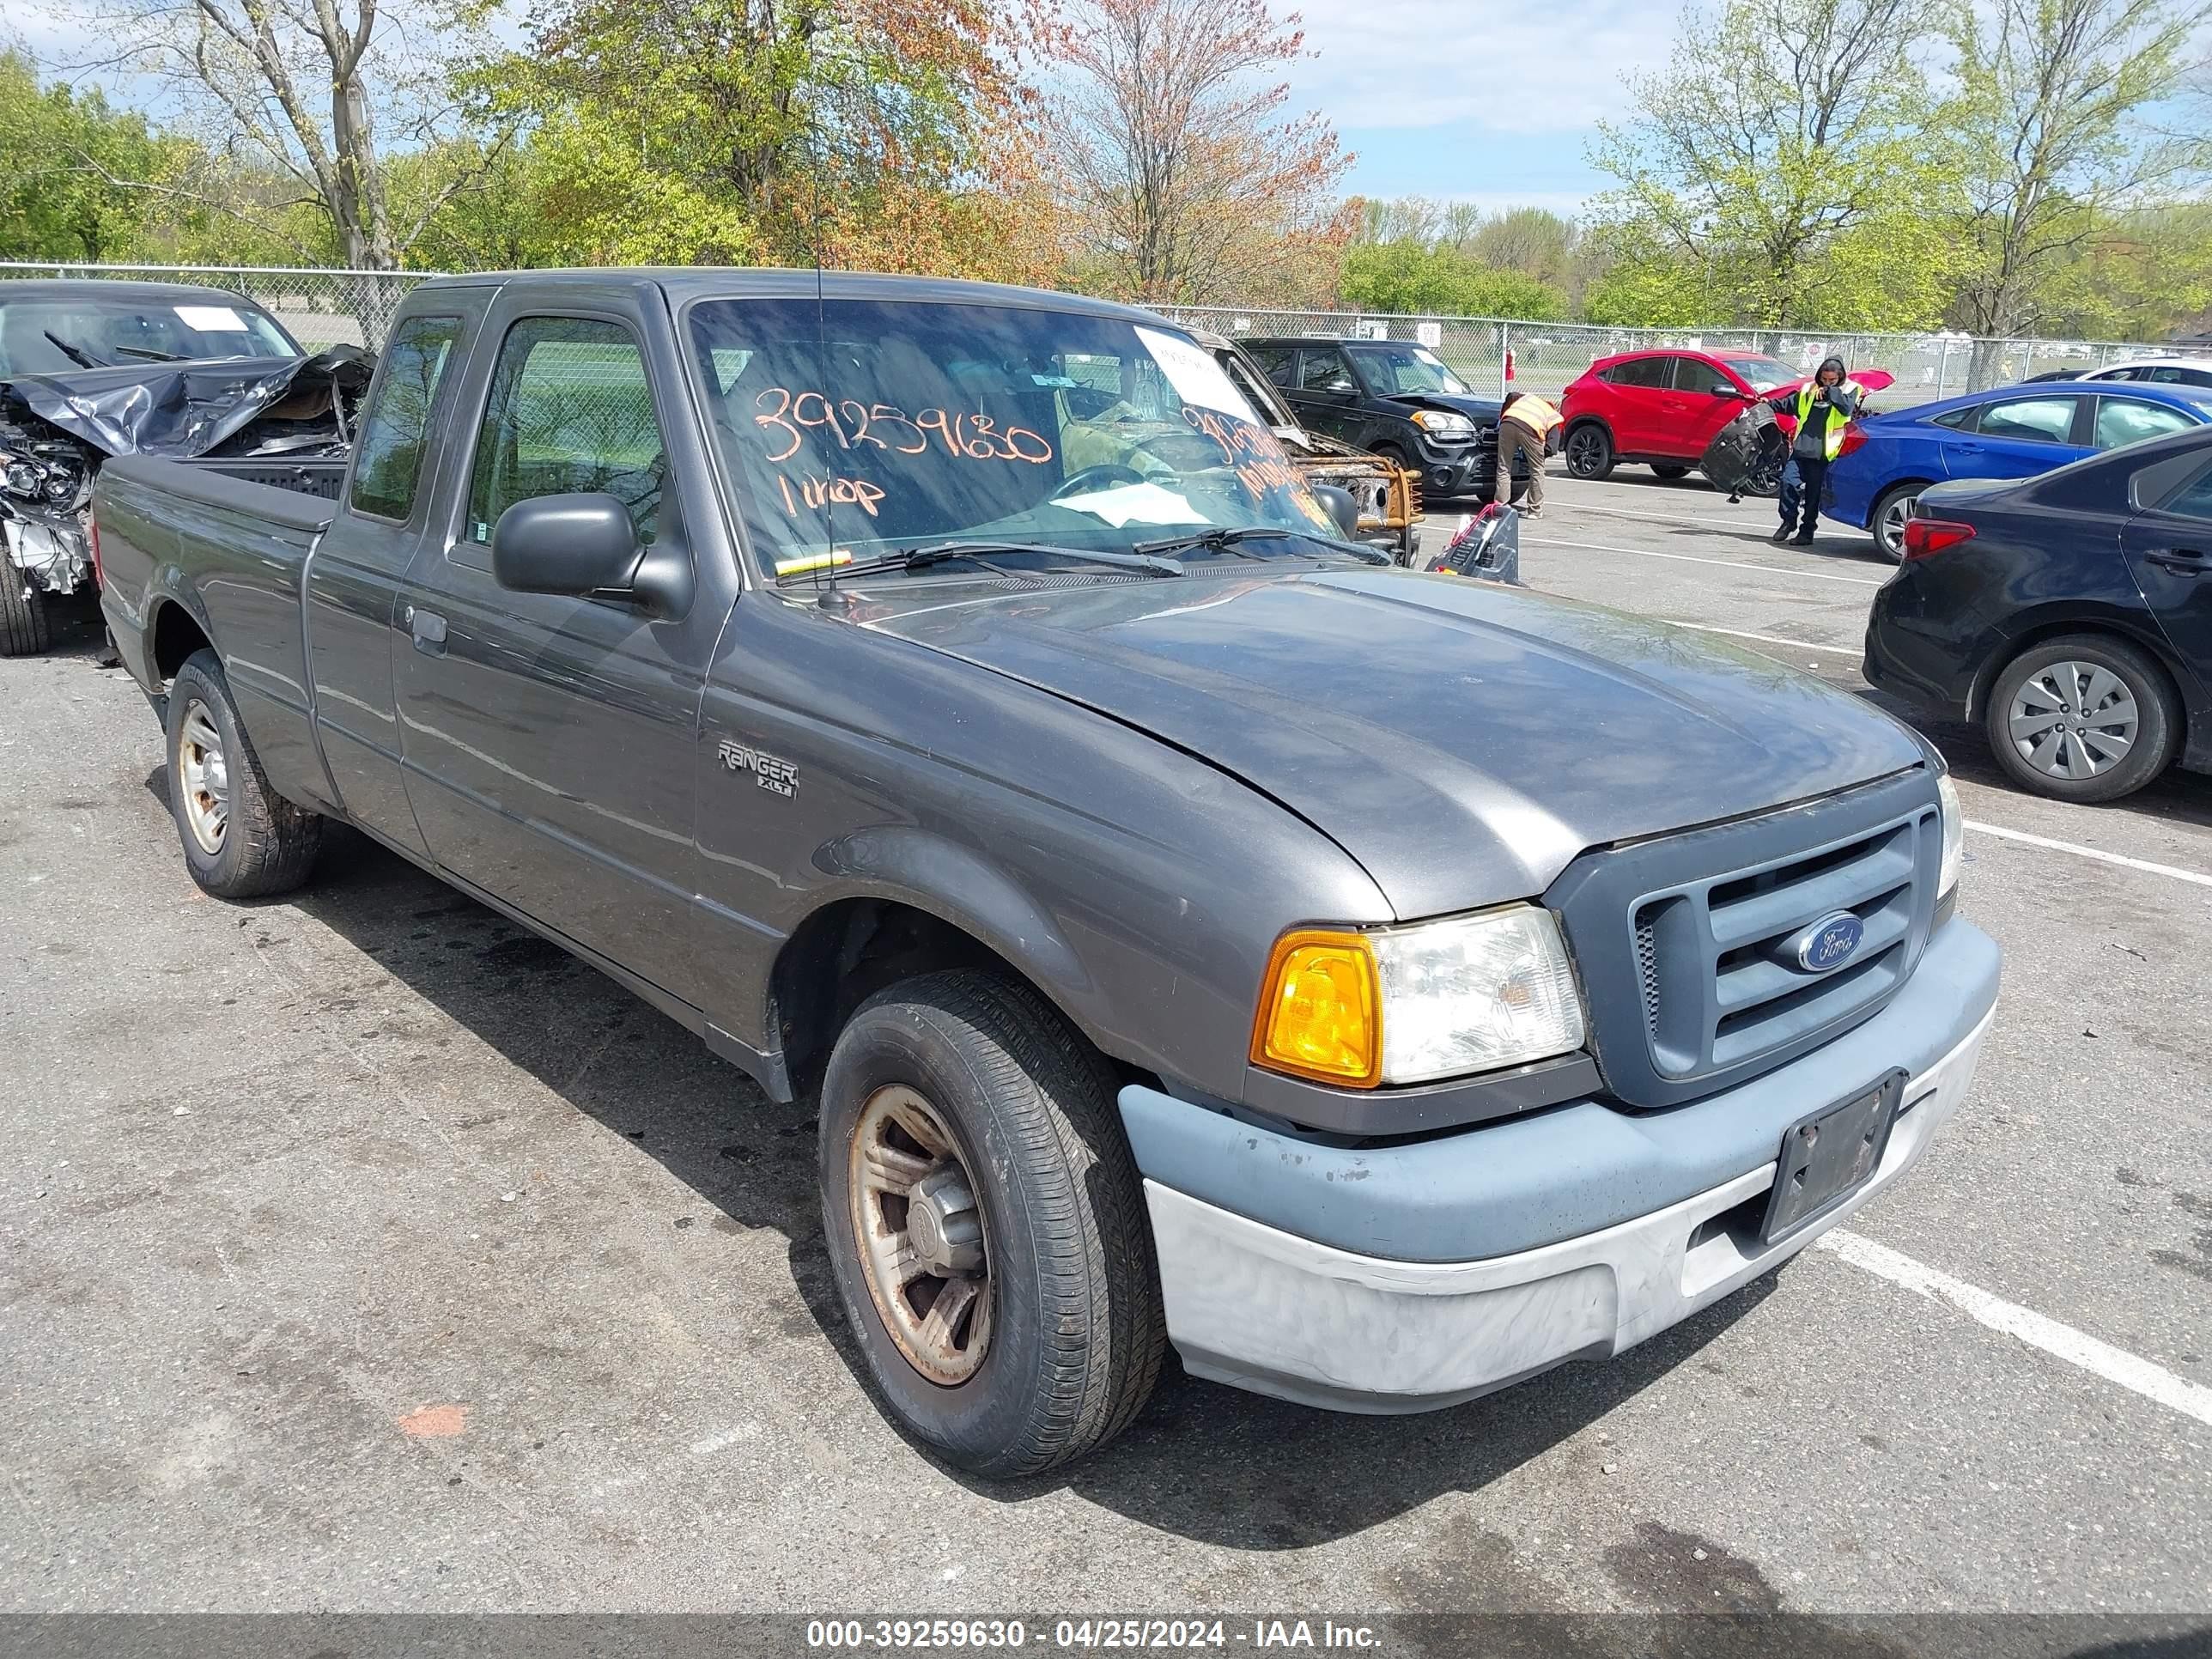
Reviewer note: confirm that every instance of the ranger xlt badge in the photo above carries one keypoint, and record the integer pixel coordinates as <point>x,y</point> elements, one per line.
<point>777,776</point>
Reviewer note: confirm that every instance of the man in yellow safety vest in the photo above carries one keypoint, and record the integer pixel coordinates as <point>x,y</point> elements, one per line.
<point>1525,425</point>
<point>1823,405</point>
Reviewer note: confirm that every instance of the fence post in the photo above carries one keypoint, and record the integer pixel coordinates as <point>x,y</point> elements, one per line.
<point>1943,369</point>
<point>1504,357</point>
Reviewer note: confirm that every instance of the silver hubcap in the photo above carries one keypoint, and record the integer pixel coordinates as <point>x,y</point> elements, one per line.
<point>203,778</point>
<point>920,1233</point>
<point>1892,523</point>
<point>2073,720</point>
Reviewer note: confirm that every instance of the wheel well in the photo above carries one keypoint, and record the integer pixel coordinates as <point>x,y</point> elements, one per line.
<point>846,952</point>
<point>1586,423</point>
<point>176,635</point>
<point>1889,489</point>
<point>1978,698</point>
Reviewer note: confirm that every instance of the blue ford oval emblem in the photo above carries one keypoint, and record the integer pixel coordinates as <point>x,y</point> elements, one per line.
<point>1828,943</point>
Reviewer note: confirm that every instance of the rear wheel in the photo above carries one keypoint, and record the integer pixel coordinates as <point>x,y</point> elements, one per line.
<point>241,839</point>
<point>1891,509</point>
<point>27,618</point>
<point>1589,451</point>
<point>2083,718</point>
<point>1670,470</point>
<point>987,1225</point>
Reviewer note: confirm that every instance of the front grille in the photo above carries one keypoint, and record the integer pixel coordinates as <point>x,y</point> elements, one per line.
<point>1685,943</point>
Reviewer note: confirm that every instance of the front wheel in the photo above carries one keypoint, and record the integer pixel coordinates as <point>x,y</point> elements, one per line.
<point>1589,453</point>
<point>987,1225</point>
<point>241,839</point>
<point>2083,718</point>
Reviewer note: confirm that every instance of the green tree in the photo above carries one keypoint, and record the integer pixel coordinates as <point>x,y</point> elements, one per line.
<point>1787,157</point>
<point>64,160</point>
<point>1406,277</point>
<point>859,131</point>
<point>2055,109</point>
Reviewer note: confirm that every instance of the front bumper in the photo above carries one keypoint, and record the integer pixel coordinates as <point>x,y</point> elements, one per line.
<point>1263,1308</point>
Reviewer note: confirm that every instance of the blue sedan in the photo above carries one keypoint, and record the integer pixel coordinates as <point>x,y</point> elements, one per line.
<point>2011,432</point>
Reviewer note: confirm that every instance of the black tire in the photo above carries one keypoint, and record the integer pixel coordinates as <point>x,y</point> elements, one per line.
<point>265,845</point>
<point>1589,451</point>
<point>2157,718</point>
<point>1670,470</point>
<point>1076,1330</point>
<point>1878,521</point>
<point>27,616</point>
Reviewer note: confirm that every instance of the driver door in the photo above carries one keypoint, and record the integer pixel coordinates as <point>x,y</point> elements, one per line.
<point>549,744</point>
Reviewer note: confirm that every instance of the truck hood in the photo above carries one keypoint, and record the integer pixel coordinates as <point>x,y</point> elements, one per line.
<point>1464,741</point>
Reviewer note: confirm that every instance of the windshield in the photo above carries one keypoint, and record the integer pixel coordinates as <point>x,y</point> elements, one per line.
<point>1397,368</point>
<point>52,337</point>
<point>1763,373</point>
<point>856,429</point>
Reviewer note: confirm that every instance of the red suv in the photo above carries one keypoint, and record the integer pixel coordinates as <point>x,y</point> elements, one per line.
<point>1661,407</point>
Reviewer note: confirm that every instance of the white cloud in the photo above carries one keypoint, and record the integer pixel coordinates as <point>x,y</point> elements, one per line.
<point>1517,68</point>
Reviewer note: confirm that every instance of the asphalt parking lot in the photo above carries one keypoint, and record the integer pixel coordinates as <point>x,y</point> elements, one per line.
<point>358,1252</point>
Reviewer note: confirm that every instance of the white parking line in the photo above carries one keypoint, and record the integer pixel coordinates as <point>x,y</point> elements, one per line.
<point>1746,522</point>
<point>2096,853</point>
<point>1851,651</point>
<point>2136,1375</point>
<point>1688,558</point>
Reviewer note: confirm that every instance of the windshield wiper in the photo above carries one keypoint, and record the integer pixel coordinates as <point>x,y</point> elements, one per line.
<point>1224,538</point>
<point>979,552</point>
<point>151,355</point>
<point>76,355</point>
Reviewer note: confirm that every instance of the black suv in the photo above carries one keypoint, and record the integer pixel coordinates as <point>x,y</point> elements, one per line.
<point>1396,399</point>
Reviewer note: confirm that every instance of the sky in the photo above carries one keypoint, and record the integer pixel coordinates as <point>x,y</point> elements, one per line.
<point>1478,100</point>
<point>1486,102</point>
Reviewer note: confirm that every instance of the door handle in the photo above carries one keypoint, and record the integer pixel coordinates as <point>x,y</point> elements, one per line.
<point>1967,449</point>
<point>429,628</point>
<point>2182,560</point>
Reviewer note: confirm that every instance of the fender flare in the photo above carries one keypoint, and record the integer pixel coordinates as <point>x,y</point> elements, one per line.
<point>166,587</point>
<point>959,886</point>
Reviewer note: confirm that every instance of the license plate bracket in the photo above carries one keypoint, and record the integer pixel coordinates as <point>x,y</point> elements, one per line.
<point>1830,1154</point>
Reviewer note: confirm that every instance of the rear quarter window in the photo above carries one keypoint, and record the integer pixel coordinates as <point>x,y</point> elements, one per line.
<point>395,435</point>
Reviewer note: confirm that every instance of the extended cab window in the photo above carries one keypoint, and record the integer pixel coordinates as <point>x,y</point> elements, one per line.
<point>571,410</point>
<point>388,457</point>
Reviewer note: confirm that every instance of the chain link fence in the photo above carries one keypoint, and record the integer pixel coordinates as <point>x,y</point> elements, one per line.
<point>323,308</point>
<point>1544,358</point>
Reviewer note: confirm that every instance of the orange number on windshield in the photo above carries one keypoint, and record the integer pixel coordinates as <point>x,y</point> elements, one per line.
<point>777,419</point>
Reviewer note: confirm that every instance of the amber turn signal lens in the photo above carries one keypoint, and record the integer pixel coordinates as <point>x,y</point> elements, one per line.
<point>1320,1010</point>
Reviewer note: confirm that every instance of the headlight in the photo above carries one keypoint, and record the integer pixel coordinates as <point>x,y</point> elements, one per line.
<point>1954,833</point>
<point>1410,1005</point>
<point>1441,424</point>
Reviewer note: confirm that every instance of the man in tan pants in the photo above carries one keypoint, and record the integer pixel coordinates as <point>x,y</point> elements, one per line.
<point>1524,428</point>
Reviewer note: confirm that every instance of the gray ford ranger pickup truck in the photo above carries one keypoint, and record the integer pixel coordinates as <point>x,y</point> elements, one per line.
<point>948,702</point>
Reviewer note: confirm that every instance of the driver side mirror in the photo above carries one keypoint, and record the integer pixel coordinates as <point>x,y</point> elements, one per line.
<point>584,546</point>
<point>569,545</point>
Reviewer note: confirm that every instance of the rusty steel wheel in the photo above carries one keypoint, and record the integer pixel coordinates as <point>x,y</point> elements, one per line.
<point>921,1234</point>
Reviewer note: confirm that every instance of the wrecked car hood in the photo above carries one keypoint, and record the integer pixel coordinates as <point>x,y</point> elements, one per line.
<point>1483,411</point>
<point>180,410</point>
<point>1464,741</point>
